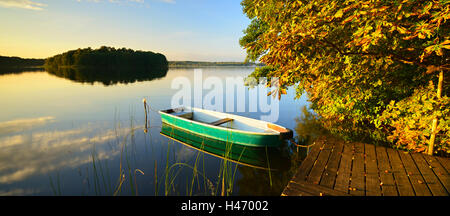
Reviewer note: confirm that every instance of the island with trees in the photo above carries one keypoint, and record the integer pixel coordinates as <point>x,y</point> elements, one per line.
<point>107,65</point>
<point>107,57</point>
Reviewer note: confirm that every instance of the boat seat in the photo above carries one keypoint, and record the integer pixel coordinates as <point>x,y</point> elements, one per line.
<point>221,121</point>
<point>187,115</point>
<point>277,128</point>
<point>284,132</point>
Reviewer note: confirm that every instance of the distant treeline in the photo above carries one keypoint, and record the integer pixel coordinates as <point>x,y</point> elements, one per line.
<point>17,62</point>
<point>209,64</point>
<point>108,58</point>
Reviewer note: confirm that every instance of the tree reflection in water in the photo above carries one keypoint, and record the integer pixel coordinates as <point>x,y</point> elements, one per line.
<point>108,76</point>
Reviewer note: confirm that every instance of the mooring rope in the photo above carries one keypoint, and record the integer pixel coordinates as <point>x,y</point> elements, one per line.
<point>298,145</point>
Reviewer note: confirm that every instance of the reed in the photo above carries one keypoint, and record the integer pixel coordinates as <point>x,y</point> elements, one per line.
<point>224,184</point>
<point>122,171</point>
<point>268,166</point>
<point>124,155</point>
<point>156,178</point>
<point>173,171</point>
<point>97,180</point>
<point>195,171</point>
<point>56,190</point>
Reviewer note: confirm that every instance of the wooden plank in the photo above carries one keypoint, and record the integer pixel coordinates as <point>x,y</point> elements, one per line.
<point>345,166</point>
<point>388,187</point>
<point>308,163</point>
<point>373,187</point>
<point>336,168</point>
<point>445,162</point>
<point>439,171</point>
<point>357,185</point>
<point>401,179</point>
<point>430,178</point>
<point>293,190</point>
<point>221,121</point>
<point>306,188</point>
<point>329,175</point>
<point>415,177</point>
<point>319,167</point>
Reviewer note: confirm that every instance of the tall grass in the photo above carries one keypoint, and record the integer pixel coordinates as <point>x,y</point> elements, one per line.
<point>101,181</point>
<point>224,184</point>
<point>56,189</point>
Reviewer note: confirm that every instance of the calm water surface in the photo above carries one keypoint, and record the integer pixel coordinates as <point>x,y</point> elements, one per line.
<point>66,136</point>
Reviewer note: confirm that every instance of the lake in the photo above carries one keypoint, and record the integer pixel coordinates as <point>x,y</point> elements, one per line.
<point>68,134</point>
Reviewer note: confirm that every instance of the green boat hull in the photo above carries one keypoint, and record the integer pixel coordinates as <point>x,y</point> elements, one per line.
<point>222,133</point>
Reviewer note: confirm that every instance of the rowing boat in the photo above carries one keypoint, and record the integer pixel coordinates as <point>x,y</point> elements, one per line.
<point>226,127</point>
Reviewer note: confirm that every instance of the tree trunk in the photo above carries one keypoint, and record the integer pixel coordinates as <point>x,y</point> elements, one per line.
<point>435,120</point>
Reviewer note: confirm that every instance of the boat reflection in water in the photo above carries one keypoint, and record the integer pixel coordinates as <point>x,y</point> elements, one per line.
<point>262,158</point>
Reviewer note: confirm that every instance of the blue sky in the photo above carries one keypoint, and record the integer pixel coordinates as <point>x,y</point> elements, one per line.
<point>197,30</point>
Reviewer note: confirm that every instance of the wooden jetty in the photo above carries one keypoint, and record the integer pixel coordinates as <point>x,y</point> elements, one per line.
<point>338,168</point>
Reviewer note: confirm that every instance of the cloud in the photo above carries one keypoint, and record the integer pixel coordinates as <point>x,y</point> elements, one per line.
<point>24,4</point>
<point>122,1</point>
<point>112,1</point>
<point>32,5</point>
<point>168,1</point>
<point>40,153</point>
<point>18,125</point>
<point>18,192</point>
<point>185,153</point>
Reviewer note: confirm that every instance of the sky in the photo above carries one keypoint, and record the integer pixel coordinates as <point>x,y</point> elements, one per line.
<point>191,30</point>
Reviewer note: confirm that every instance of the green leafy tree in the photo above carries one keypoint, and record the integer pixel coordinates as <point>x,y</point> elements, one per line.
<point>363,64</point>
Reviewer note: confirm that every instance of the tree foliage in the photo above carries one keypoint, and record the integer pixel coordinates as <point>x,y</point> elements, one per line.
<point>368,67</point>
<point>108,58</point>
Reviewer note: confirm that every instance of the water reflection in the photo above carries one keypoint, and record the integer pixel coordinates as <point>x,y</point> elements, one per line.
<point>18,125</point>
<point>108,76</point>
<point>308,127</point>
<point>262,171</point>
<point>64,138</point>
<point>261,158</point>
<point>32,154</point>
<point>19,70</point>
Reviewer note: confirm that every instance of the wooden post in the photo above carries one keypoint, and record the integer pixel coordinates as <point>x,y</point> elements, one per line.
<point>145,108</point>
<point>435,120</point>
